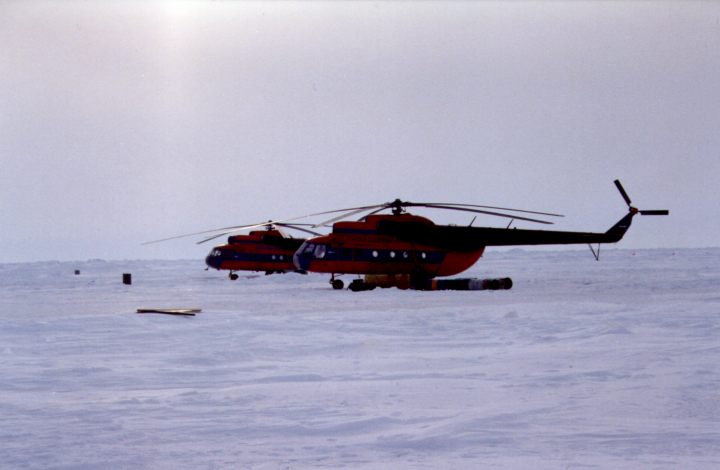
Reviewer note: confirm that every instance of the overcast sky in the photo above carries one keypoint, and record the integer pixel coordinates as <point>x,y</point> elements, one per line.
<point>126,122</point>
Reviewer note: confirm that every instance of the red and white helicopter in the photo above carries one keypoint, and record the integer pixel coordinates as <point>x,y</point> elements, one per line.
<point>409,251</point>
<point>268,249</point>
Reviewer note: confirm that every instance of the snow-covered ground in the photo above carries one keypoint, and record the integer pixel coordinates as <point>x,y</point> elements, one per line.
<point>583,364</point>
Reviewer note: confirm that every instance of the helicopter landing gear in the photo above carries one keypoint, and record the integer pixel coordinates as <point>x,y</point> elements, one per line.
<point>336,284</point>
<point>358,285</point>
<point>233,276</point>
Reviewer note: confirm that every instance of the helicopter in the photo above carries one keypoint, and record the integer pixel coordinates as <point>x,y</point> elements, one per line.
<point>409,251</point>
<point>269,249</point>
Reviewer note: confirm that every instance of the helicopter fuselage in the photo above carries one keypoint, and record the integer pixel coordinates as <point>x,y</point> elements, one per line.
<point>371,246</point>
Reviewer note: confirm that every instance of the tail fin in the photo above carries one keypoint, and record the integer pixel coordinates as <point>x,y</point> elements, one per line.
<point>618,230</point>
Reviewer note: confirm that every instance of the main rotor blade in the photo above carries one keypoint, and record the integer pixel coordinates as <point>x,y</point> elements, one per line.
<point>335,211</point>
<point>655,212</point>
<point>213,237</point>
<point>450,206</point>
<point>498,214</point>
<point>432,204</point>
<point>189,235</point>
<point>622,192</point>
<point>298,227</point>
<point>237,229</point>
<point>352,212</point>
<point>387,206</point>
<point>231,229</point>
<point>244,227</point>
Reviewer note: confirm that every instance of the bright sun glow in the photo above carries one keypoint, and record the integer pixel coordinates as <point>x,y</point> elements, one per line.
<point>181,9</point>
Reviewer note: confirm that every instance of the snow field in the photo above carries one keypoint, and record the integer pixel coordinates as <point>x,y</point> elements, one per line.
<point>583,364</point>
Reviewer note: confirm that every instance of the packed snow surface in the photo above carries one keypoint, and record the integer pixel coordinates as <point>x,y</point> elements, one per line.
<point>583,364</point>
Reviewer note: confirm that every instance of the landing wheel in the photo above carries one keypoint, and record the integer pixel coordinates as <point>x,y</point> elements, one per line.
<point>233,276</point>
<point>337,284</point>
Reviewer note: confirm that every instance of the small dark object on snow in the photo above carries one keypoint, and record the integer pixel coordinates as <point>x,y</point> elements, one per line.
<point>171,311</point>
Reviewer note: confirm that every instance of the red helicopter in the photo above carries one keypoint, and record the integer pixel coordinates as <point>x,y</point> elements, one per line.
<point>270,250</point>
<point>410,251</point>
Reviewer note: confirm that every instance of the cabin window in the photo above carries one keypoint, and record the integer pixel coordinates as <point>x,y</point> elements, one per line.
<point>392,254</point>
<point>320,251</point>
<point>423,255</point>
<point>375,254</point>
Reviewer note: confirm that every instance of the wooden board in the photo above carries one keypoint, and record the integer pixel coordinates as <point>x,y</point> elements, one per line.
<point>171,311</point>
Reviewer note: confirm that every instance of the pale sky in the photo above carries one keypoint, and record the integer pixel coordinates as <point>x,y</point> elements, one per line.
<point>122,122</point>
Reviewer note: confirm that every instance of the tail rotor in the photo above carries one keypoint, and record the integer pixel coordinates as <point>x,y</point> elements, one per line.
<point>633,209</point>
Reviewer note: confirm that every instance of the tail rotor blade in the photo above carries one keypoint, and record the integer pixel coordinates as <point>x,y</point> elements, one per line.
<point>634,210</point>
<point>623,193</point>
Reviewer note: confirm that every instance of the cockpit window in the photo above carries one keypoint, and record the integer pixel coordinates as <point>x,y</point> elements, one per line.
<point>320,251</point>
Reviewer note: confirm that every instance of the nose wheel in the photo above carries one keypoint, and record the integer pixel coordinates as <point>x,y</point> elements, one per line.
<point>336,284</point>
<point>233,276</point>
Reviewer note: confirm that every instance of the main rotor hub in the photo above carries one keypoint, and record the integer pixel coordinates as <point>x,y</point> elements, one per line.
<point>397,207</point>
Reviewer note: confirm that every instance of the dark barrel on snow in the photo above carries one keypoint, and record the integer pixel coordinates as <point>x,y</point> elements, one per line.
<point>127,279</point>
